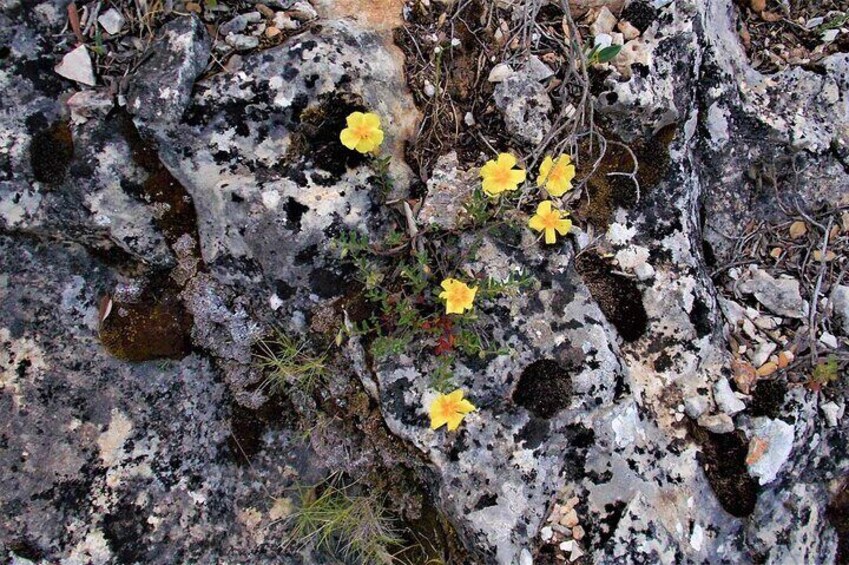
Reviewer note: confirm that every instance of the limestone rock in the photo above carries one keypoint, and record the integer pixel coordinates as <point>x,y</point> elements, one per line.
<point>76,66</point>
<point>525,105</point>
<point>449,188</point>
<point>780,295</point>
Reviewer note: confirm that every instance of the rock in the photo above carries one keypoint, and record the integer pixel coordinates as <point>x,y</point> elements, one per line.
<point>302,11</point>
<point>726,399</point>
<point>604,22</point>
<point>449,188</point>
<point>159,92</point>
<point>840,308</point>
<point>112,21</point>
<point>780,296</point>
<point>761,352</point>
<point>526,558</point>
<point>603,41</point>
<point>629,32</point>
<point>695,406</point>
<point>241,42</point>
<point>546,533</point>
<point>88,104</point>
<point>282,20</point>
<point>536,69</point>
<point>525,105</point>
<point>76,66</point>
<point>777,436</point>
<point>633,52</point>
<point>500,72</point>
<point>718,423</point>
<point>829,340</point>
<point>833,412</point>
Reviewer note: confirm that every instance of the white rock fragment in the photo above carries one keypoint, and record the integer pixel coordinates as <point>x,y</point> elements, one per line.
<point>777,435</point>
<point>566,545</point>
<point>760,354</point>
<point>697,538</point>
<point>77,66</point>
<point>830,35</point>
<point>604,22</point>
<point>500,72</point>
<point>525,558</point>
<point>644,271</point>
<point>429,89</point>
<point>628,31</point>
<point>538,70</point>
<point>86,103</point>
<point>726,399</point>
<point>717,423</point>
<point>695,406</point>
<point>603,41</point>
<point>469,119</point>
<point>828,340</point>
<point>781,296</point>
<point>576,554</point>
<point>833,412</point>
<point>282,20</point>
<point>546,533</point>
<point>840,307</point>
<point>112,21</point>
<point>303,11</point>
<point>275,302</point>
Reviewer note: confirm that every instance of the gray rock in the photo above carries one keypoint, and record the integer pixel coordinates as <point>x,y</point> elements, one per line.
<point>525,105</point>
<point>76,66</point>
<point>778,438</point>
<point>695,406</point>
<point>112,21</point>
<point>159,92</point>
<point>242,42</point>
<point>717,423</point>
<point>840,307</point>
<point>536,69</point>
<point>780,295</point>
<point>760,353</point>
<point>726,399</point>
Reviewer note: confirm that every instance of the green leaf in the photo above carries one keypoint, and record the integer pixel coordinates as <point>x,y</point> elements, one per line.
<point>608,53</point>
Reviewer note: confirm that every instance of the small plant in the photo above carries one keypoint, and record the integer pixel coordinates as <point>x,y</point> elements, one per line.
<point>288,363</point>
<point>599,54</point>
<point>824,373</point>
<point>335,519</point>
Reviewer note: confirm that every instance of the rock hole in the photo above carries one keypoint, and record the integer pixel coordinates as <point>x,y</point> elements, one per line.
<point>837,513</point>
<point>617,296</point>
<point>768,398</point>
<point>51,152</point>
<point>544,388</point>
<point>724,462</point>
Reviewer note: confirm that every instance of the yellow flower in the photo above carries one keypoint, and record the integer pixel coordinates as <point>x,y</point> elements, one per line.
<point>363,132</point>
<point>549,220</point>
<point>499,175</point>
<point>556,175</point>
<point>458,296</point>
<point>449,409</point>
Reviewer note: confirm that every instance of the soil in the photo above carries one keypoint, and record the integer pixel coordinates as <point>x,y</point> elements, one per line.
<point>544,388</point>
<point>618,296</point>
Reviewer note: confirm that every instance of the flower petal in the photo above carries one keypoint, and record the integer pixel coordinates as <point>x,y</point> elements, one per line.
<point>544,169</point>
<point>466,406</point>
<point>454,421</point>
<point>371,120</point>
<point>378,138</point>
<point>354,119</point>
<point>564,226</point>
<point>491,187</point>
<point>544,208</point>
<point>517,177</point>
<point>550,237</point>
<point>348,138</point>
<point>456,396</point>
<point>506,160</point>
<point>535,223</point>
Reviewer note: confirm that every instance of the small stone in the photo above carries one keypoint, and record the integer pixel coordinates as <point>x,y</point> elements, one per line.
<point>283,21</point>
<point>500,72</point>
<point>840,307</point>
<point>76,66</point>
<point>303,11</point>
<point>570,519</point>
<point>235,25</point>
<point>760,354</point>
<point>469,119</point>
<point>429,89</point>
<point>778,436</point>
<point>112,21</point>
<point>572,502</point>
<point>828,340</point>
<point>757,5</point>
<point>566,545</point>
<point>695,406</point>
<point>525,558</point>
<point>193,7</point>
<point>814,22</point>
<point>628,31</point>
<point>267,12</point>
<point>776,252</point>
<point>538,70</point>
<point>833,412</point>
<point>726,399</point>
<point>242,42</point>
<point>784,359</point>
<point>603,41</point>
<point>576,553</point>
<point>546,533</point>
<point>830,35</point>
<point>604,22</point>
<point>717,423</point>
<point>271,32</point>
<point>578,533</point>
<point>780,295</point>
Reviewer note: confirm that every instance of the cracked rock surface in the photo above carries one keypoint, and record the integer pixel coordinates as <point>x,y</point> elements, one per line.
<point>146,248</point>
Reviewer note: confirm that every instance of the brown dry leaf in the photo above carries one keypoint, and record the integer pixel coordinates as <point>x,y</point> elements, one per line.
<point>829,256</point>
<point>757,448</point>
<point>193,7</point>
<point>768,16</point>
<point>744,375</point>
<point>798,229</point>
<point>767,369</point>
<point>74,20</point>
<point>784,359</point>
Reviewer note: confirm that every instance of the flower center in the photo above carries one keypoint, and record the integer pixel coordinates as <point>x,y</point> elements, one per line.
<point>549,221</point>
<point>501,175</point>
<point>459,294</point>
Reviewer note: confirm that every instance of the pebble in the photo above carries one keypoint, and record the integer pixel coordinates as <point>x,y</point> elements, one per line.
<point>283,21</point>
<point>726,399</point>
<point>717,423</point>
<point>500,72</point>
<point>242,42</point>
<point>778,436</point>
<point>833,412</point>
<point>77,66</point>
<point>112,21</point>
<point>193,7</point>
<point>828,340</point>
<point>628,31</point>
<point>604,22</point>
<point>603,40</point>
<point>303,11</point>
<point>546,533</point>
<point>578,533</point>
<point>760,354</point>
<point>570,520</point>
<point>469,119</point>
<point>271,32</point>
<point>429,89</point>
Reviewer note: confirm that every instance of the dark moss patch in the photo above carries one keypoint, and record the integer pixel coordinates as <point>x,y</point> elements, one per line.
<point>247,426</point>
<point>178,216</point>
<point>837,513</point>
<point>768,398</point>
<point>26,549</point>
<point>700,317</point>
<point>605,193</point>
<point>618,296</point>
<point>316,137</point>
<point>51,152</point>
<point>156,326</point>
<point>724,462</point>
<point>640,15</point>
<point>533,433</point>
<point>544,388</point>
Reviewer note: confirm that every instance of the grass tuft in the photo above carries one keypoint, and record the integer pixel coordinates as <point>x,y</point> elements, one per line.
<point>289,364</point>
<point>351,526</point>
